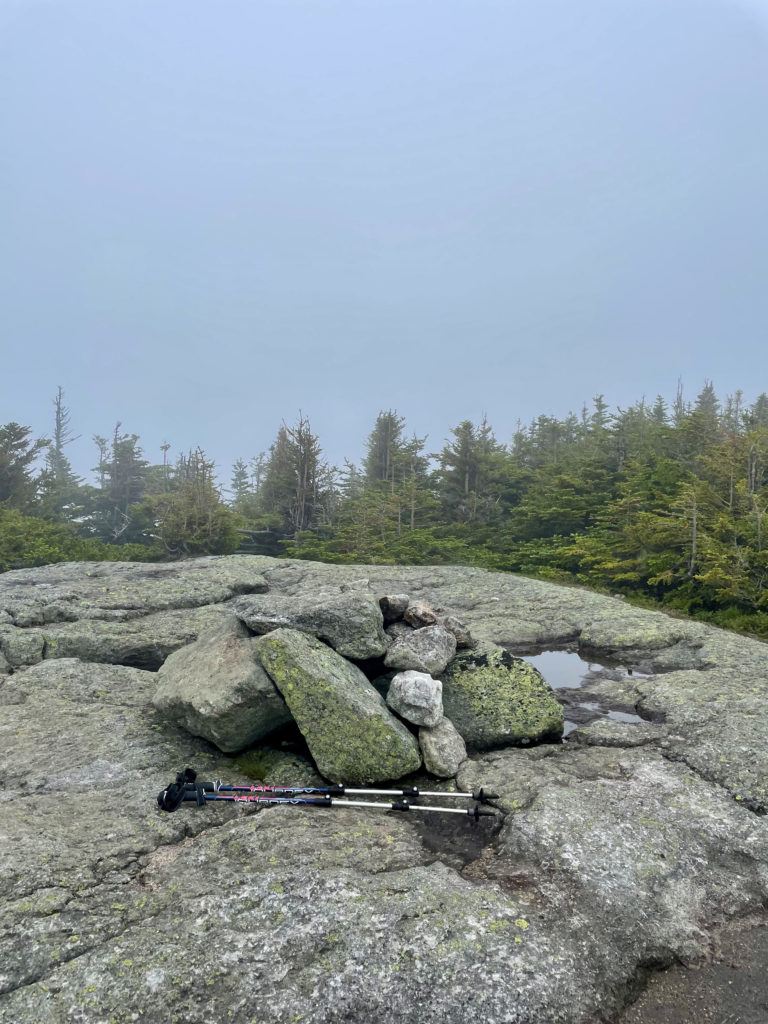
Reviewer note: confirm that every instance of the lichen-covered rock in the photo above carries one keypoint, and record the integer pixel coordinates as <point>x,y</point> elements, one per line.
<point>607,733</point>
<point>71,591</point>
<point>351,621</point>
<point>493,698</point>
<point>654,852</point>
<point>393,607</point>
<point>625,629</point>
<point>417,697</point>
<point>349,731</point>
<point>337,915</point>
<point>419,614</point>
<point>143,642</point>
<point>83,756</point>
<point>442,748</point>
<point>20,647</point>
<point>363,583</point>
<point>216,688</point>
<point>609,861</point>
<point>424,650</point>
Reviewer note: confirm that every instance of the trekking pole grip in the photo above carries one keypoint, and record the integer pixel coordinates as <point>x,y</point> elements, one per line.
<point>184,788</point>
<point>477,812</point>
<point>484,796</point>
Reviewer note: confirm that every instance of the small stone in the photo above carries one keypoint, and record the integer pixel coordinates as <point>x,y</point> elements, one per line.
<point>460,631</point>
<point>418,614</point>
<point>417,697</point>
<point>442,748</point>
<point>425,650</point>
<point>393,607</point>
<point>398,630</point>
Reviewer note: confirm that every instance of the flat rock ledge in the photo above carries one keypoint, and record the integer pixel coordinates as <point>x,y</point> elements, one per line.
<point>611,858</point>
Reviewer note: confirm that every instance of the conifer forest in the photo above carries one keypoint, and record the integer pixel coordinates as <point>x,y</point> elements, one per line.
<point>663,504</point>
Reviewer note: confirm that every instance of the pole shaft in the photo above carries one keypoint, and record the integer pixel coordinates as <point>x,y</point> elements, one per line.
<point>252,798</point>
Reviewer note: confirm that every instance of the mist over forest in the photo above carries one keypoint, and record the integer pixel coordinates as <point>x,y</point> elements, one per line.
<point>662,503</point>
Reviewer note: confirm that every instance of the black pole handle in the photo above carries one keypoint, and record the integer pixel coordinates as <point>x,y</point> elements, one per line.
<point>477,812</point>
<point>484,796</point>
<point>184,788</point>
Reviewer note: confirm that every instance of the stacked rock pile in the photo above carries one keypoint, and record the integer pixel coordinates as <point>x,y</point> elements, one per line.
<point>422,645</point>
<point>377,686</point>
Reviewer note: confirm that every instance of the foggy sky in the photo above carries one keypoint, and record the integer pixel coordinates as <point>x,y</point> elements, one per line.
<point>214,215</point>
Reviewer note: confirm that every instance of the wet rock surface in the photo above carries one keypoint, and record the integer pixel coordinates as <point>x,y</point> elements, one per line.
<point>612,859</point>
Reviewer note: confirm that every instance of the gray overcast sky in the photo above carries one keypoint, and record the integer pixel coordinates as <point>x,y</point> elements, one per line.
<point>216,214</point>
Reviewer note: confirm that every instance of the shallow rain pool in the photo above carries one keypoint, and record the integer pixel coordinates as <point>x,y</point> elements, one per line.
<point>566,671</point>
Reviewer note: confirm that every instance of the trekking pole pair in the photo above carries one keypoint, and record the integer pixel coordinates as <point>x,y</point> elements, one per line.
<point>187,788</point>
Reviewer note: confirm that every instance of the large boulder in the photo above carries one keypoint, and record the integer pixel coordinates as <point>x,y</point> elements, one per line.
<point>351,621</point>
<point>349,731</point>
<point>417,697</point>
<point>493,699</point>
<point>216,688</point>
<point>424,650</point>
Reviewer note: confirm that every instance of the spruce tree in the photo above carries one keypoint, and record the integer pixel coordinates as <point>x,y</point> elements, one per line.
<point>299,486</point>
<point>384,449</point>
<point>18,454</point>
<point>59,491</point>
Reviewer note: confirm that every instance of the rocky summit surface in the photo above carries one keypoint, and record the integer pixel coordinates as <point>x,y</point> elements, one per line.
<point>624,850</point>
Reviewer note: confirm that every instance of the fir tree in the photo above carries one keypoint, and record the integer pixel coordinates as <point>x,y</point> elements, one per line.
<point>18,454</point>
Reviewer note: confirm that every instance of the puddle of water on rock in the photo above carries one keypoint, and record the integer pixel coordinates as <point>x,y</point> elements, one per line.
<point>567,670</point>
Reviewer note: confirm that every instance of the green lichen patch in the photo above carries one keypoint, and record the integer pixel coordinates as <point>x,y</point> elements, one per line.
<point>494,698</point>
<point>349,731</point>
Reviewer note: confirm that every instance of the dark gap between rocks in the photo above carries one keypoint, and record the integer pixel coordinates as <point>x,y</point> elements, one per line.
<point>260,760</point>
<point>150,660</point>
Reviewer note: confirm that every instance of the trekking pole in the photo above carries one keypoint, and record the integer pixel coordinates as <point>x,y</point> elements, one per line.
<point>187,790</point>
<point>341,790</point>
<point>410,792</point>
